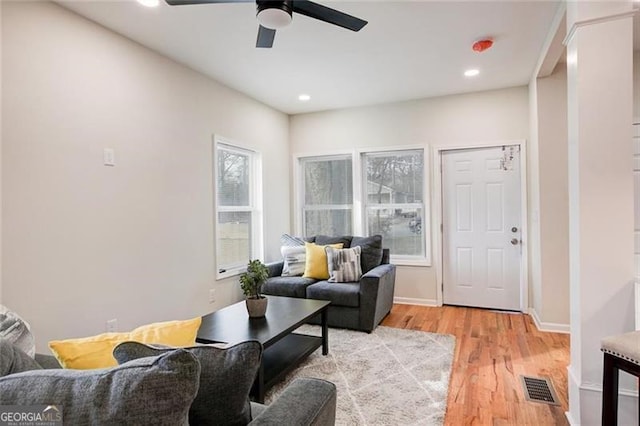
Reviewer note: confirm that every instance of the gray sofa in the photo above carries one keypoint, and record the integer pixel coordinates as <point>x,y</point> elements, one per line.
<point>356,305</point>
<point>141,384</point>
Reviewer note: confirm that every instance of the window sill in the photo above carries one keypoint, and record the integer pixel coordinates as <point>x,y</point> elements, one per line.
<point>410,262</point>
<point>230,273</point>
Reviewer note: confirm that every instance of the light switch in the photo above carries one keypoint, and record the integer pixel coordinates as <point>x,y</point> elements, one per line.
<point>109,157</point>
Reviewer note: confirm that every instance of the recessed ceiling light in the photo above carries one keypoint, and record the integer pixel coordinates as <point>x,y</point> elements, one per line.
<point>149,3</point>
<point>304,97</point>
<point>471,73</point>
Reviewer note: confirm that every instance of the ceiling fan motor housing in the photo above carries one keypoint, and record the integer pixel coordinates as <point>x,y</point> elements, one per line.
<point>274,14</point>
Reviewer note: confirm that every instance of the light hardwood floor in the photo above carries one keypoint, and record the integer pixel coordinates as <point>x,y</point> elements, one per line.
<point>492,350</point>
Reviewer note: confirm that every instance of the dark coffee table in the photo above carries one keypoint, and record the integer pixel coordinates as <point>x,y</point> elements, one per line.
<point>283,350</point>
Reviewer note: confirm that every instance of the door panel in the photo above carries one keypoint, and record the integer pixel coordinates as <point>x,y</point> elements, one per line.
<point>481,205</point>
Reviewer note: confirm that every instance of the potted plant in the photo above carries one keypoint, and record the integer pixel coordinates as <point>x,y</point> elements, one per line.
<point>251,283</point>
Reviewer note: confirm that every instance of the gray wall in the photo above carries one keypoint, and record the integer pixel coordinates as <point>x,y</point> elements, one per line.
<point>84,243</point>
<point>493,116</point>
<point>553,304</point>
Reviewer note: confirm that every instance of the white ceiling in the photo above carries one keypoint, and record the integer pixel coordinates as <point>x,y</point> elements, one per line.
<point>409,50</point>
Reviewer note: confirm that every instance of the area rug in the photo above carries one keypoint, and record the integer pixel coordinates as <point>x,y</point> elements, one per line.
<point>389,377</point>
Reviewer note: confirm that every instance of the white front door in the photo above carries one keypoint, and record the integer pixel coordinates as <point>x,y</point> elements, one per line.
<point>481,214</point>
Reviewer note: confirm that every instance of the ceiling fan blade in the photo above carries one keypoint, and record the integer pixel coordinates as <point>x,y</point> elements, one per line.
<point>265,37</point>
<point>326,14</point>
<point>188,2</point>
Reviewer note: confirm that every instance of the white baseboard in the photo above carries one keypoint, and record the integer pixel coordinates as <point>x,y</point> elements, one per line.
<point>552,327</point>
<point>585,402</point>
<point>572,422</point>
<point>414,301</point>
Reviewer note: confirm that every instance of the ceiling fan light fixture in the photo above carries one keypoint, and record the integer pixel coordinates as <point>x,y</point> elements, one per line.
<point>274,14</point>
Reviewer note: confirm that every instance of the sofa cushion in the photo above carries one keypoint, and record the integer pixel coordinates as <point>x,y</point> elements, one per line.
<point>96,351</point>
<point>287,286</point>
<point>16,330</point>
<point>371,251</point>
<point>148,391</point>
<point>323,240</point>
<point>344,264</point>
<point>341,294</point>
<point>226,377</point>
<point>14,360</point>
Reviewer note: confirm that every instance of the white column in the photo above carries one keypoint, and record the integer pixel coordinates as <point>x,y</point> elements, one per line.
<point>600,67</point>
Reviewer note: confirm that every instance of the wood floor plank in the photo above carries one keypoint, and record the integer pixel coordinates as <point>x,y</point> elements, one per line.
<point>493,349</point>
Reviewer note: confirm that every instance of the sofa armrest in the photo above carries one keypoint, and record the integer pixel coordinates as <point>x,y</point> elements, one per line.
<point>379,272</point>
<point>305,402</point>
<point>275,268</point>
<point>47,361</point>
<point>376,295</point>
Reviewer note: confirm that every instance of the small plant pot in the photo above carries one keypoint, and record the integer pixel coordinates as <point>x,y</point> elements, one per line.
<point>257,308</point>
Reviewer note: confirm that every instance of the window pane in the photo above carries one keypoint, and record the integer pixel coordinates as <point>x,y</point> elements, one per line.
<point>328,222</point>
<point>394,177</point>
<point>328,182</point>
<point>233,178</point>
<point>234,239</point>
<point>401,229</point>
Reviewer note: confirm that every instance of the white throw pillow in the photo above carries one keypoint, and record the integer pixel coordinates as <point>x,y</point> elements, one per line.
<point>294,260</point>
<point>17,331</point>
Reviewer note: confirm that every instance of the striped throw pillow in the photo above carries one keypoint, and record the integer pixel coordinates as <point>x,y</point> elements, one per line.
<point>344,264</point>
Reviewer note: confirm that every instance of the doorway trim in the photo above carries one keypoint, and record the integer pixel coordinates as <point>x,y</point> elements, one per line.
<point>436,217</point>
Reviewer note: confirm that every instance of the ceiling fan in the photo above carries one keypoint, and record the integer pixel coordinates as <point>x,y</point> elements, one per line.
<point>275,14</point>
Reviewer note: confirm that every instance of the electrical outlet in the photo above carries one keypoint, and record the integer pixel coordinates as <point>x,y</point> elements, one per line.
<point>112,325</point>
<point>212,295</point>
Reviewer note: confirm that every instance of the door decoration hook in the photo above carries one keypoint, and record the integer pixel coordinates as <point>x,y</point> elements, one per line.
<point>506,162</point>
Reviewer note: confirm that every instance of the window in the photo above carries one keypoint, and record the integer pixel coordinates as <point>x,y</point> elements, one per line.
<point>376,192</point>
<point>327,195</point>
<point>238,214</point>
<point>394,201</point>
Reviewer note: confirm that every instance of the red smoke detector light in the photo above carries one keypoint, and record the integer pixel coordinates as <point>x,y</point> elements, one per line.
<point>482,45</point>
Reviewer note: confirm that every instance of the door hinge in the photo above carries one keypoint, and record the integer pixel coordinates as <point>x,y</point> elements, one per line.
<point>441,227</point>
<point>442,287</point>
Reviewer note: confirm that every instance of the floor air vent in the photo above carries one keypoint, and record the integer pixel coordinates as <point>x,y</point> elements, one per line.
<point>537,389</point>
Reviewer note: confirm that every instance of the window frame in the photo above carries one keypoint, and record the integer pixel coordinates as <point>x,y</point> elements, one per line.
<point>400,259</point>
<point>359,211</point>
<point>255,206</point>
<point>300,189</point>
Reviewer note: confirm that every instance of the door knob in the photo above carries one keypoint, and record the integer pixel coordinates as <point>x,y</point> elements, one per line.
<point>514,241</point>
<point>514,229</point>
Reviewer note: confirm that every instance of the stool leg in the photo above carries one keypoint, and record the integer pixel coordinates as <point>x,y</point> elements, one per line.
<point>609,391</point>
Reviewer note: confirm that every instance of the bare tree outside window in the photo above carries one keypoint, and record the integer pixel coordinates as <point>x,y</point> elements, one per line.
<point>395,199</point>
<point>328,195</point>
<point>234,207</point>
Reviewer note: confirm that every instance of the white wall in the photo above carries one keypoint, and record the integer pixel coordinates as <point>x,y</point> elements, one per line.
<point>601,198</point>
<point>0,156</point>
<point>636,156</point>
<point>636,83</point>
<point>548,183</point>
<point>498,115</point>
<point>533,204</point>
<point>553,306</point>
<point>83,243</point>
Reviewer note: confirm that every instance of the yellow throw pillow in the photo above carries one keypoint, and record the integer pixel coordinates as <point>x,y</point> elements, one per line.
<point>316,263</point>
<point>96,351</point>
